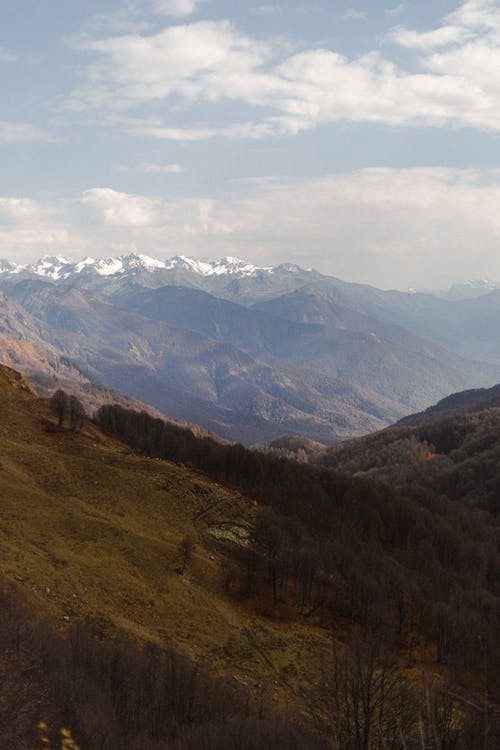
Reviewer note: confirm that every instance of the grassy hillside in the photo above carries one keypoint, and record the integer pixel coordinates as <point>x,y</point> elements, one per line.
<point>156,607</point>
<point>90,530</point>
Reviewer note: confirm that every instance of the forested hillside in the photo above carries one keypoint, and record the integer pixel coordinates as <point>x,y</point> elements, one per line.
<point>205,596</point>
<point>418,572</point>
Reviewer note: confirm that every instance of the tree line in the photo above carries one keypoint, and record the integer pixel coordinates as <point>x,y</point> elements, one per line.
<point>420,571</point>
<point>114,694</point>
<point>68,410</point>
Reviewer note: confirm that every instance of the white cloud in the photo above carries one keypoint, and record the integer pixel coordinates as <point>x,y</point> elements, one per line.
<point>454,81</point>
<point>249,130</point>
<point>22,132</point>
<point>147,168</point>
<point>352,14</point>
<point>111,207</point>
<point>178,8</point>
<point>395,11</point>
<point>390,227</point>
<point>6,56</point>
<point>28,228</point>
<point>207,60</point>
<point>472,22</point>
<point>19,210</point>
<point>265,10</point>
<point>123,20</point>
<point>408,227</point>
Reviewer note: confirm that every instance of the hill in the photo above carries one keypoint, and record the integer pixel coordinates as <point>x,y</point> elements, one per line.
<point>237,580</point>
<point>463,402</point>
<point>91,532</point>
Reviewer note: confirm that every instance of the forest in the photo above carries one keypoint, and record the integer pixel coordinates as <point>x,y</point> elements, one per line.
<point>406,577</point>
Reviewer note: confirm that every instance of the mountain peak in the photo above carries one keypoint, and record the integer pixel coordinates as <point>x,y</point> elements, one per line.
<point>226,266</point>
<point>58,267</point>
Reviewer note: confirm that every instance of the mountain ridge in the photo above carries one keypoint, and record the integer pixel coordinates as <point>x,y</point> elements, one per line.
<point>251,353</point>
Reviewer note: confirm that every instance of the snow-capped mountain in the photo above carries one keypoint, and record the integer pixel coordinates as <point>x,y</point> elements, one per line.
<point>59,268</point>
<point>470,289</point>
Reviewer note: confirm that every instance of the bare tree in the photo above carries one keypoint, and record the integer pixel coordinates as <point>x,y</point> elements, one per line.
<point>59,404</point>
<point>369,703</point>
<point>76,414</point>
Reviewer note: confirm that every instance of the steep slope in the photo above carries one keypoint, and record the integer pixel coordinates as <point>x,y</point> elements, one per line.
<point>90,531</point>
<point>271,584</point>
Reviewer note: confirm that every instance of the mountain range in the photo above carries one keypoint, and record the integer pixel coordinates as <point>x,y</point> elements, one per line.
<point>250,353</point>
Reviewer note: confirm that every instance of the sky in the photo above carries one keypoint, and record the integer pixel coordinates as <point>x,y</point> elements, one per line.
<point>358,138</point>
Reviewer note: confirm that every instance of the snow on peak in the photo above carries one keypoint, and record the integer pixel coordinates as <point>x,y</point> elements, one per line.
<point>479,284</point>
<point>121,265</point>
<point>50,266</point>
<point>59,268</point>
<point>223,266</point>
<point>469,289</point>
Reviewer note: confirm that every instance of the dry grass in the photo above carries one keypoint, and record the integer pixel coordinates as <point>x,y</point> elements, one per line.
<point>90,530</point>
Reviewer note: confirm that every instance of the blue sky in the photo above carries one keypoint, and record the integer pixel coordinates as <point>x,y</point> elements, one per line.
<point>359,138</point>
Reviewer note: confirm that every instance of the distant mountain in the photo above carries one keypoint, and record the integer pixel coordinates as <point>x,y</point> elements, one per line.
<point>59,268</point>
<point>188,376</point>
<point>468,289</point>
<point>25,345</point>
<point>254,353</point>
<point>467,327</point>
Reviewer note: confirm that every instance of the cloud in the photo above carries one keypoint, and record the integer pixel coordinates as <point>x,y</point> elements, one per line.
<point>22,132</point>
<point>397,10</point>
<point>390,227</point>
<point>113,208</point>
<point>473,22</point>
<point>18,210</point>
<point>6,56</point>
<point>178,8</point>
<point>154,168</point>
<point>124,20</point>
<point>452,82</point>
<point>265,10</point>
<point>28,227</point>
<point>354,15</point>
<point>421,227</point>
<point>247,130</point>
<point>207,60</point>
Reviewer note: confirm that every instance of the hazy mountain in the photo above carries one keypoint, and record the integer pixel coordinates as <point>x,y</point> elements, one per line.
<point>310,330</point>
<point>106,273</point>
<point>196,378</point>
<point>467,327</point>
<point>468,289</point>
<point>254,353</point>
